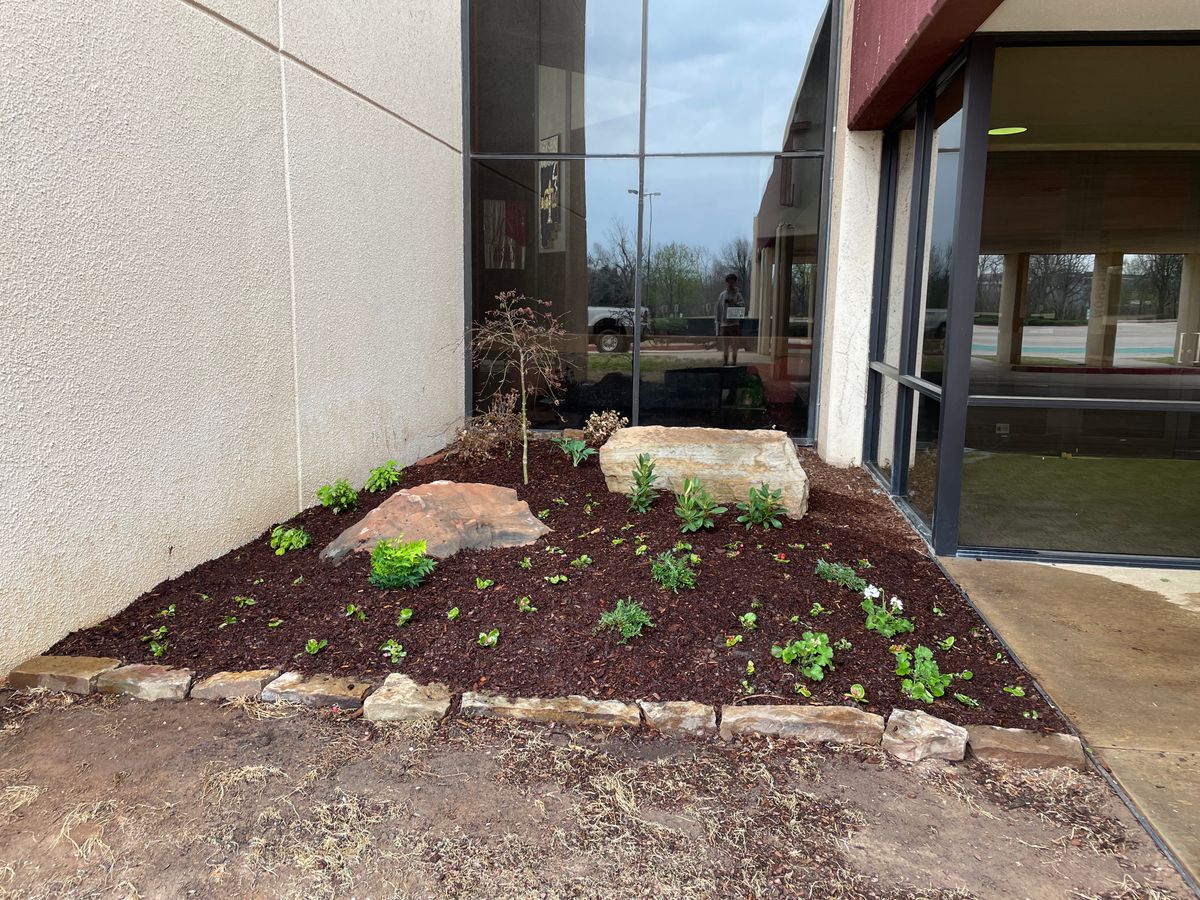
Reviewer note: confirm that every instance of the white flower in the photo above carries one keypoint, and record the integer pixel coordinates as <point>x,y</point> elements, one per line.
<point>871,592</point>
<point>897,606</point>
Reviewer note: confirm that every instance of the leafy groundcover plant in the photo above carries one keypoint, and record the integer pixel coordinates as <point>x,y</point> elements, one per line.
<point>285,539</point>
<point>575,448</point>
<point>396,563</point>
<point>924,680</point>
<point>338,496</point>
<point>386,476</point>
<point>627,617</point>
<point>839,574</point>
<point>812,654</point>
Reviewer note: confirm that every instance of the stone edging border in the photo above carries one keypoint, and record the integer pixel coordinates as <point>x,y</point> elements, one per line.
<point>909,735</point>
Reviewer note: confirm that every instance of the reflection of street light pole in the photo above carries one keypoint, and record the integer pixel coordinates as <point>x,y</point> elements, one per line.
<point>650,195</point>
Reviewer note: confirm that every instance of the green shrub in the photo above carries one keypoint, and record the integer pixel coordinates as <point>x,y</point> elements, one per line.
<point>925,680</point>
<point>399,564</point>
<point>643,495</point>
<point>695,506</point>
<point>671,572</point>
<point>812,654</point>
<point>338,496</point>
<point>762,508</point>
<point>386,476</point>
<point>285,539</point>
<point>628,617</point>
<point>840,575</point>
<point>574,448</point>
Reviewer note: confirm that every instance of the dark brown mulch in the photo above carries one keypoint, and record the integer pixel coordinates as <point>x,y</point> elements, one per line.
<point>555,650</point>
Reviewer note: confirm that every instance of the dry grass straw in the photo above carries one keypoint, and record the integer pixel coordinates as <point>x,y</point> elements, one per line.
<point>217,783</point>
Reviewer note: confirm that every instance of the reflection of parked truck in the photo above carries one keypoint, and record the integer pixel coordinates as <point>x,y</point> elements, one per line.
<point>610,328</point>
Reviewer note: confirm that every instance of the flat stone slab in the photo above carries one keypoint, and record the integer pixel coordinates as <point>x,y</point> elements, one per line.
<point>227,685</point>
<point>448,516</point>
<point>913,735</point>
<point>146,682</point>
<point>401,699</point>
<point>837,724</point>
<point>728,462</point>
<point>680,718</point>
<point>1025,749</point>
<point>74,674</point>
<point>573,710</point>
<point>317,690</point>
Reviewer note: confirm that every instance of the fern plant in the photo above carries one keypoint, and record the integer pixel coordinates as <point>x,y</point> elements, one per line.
<point>643,495</point>
<point>695,506</point>
<point>384,477</point>
<point>397,563</point>
<point>338,496</point>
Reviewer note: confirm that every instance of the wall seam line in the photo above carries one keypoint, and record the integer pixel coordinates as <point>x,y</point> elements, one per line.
<point>309,67</point>
<point>291,234</point>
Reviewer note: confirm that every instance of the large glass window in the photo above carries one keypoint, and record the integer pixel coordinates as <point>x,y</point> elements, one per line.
<point>724,282</point>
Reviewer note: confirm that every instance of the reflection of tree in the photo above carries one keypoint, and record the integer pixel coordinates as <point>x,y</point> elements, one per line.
<point>991,281</point>
<point>736,258</point>
<point>1155,284</point>
<point>675,279</point>
<point>937,289</point>
<point>611,268</point>
<point>1060,285</point>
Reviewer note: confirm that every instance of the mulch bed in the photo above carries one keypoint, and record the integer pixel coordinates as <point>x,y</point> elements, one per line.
<point>555,651</point>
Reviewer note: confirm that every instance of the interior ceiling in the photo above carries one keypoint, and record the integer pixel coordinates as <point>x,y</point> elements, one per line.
<point>1098,96</point>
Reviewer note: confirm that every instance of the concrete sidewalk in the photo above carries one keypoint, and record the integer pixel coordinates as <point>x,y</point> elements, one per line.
<point>1118,650</point>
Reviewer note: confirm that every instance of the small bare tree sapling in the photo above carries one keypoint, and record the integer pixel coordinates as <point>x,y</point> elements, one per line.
<point>520,339</point>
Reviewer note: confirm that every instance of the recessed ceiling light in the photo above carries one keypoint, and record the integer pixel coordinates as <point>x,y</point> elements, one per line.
<point>1008,129</point>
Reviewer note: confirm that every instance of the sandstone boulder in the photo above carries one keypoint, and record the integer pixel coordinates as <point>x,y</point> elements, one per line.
<point>835,724</point>
<point>729,463</point>
<point>1026,749</point>
<point>448,516</point>
<point>573,710</point>
<point>913,735</point>
<point>76,674</point>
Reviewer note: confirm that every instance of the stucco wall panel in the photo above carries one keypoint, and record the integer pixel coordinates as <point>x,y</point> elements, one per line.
<point>377,213</point>
<point>145,366</point>
<point>259,17</point>
<point>406,56</point>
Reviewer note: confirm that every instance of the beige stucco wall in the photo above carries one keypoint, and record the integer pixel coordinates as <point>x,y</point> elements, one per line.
<point>846,327</point>
<point>231,271</point>
<point>1094,15</point>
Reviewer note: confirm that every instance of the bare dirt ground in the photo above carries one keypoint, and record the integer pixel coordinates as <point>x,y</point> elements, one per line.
<point>114,798</point>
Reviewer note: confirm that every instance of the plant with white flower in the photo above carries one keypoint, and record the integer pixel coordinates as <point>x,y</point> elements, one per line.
<point>871,592</point>
<point>896,605</point>
<point>885,619</point>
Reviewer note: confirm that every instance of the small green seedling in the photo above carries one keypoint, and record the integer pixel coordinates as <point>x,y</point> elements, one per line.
<point>355,612</point>
<point>733,640</point>
<point>1030,714</point>
<point>285,539</point>
<point>404,617</point>
<point>946,643</point>
<point>525,605</point>
<point>574,448</point>
<point>581,562</point>
<point>560,501</point>
<point>488,638</point>
<point>967,701</point>
<point>857,692</point>
<point>748,620</point>
<point>555,579</point>
<point>156,641</point>
<point>557,551</point>
<point>543,514</point>
<point>1014,690</point>
<point>394,651</point>
<point>749,667</point>
<point>312,646</point>
<point>259,581</point>
<point>243,602</point>
<point>937,611</point>
<point>842,644</point>
<point>452,613</point>
<point>297,581</point>
<point>818,610</point>
<point>526,563</point>
<point>384,477</point>
<point>640,550</point>
<point>168,613</point>
<point>865,564</point>
<point>617,542</point>
<point>227,621</point>
<point>803,691</point>
<point>275,623</point>
<point>337,497</point>
<point>966,674</point>
<point>482,584</point>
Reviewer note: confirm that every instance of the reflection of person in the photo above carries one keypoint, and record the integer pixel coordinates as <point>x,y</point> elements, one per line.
<point>729,325</point>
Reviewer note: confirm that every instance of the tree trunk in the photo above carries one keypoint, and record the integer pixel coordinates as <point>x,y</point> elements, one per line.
<point>524,427</point>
